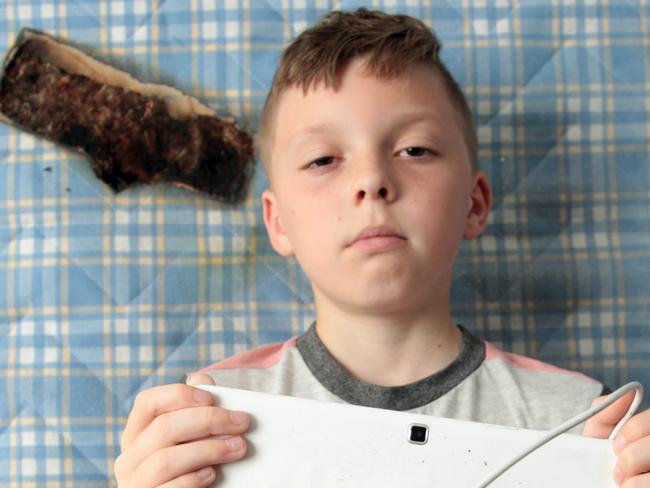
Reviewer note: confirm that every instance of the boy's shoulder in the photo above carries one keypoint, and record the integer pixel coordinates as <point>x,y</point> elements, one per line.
<point>260,357</point>
<point>276,368</point>
<point>534,380</point>
<point>495,357</point>
<point>511,389</point>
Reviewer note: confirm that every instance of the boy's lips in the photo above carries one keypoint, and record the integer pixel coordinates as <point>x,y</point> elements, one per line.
<point>377,238</point>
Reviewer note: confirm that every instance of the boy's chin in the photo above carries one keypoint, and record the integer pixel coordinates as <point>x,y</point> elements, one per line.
<point>387,302</point>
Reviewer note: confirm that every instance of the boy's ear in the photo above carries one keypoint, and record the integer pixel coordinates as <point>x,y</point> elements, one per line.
<point>277,236</point>
<point>480,202</point>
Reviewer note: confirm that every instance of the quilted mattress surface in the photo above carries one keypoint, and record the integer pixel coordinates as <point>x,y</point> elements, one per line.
<point>102,295</point>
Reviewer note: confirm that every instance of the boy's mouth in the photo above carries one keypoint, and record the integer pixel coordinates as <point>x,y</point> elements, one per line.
<point>376,238</point>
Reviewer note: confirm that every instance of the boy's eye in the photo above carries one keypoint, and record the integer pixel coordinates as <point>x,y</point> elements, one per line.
<point>415,151</point>
<point>320,162</point>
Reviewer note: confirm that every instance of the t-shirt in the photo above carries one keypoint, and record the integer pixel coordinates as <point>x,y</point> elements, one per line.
<point>483,383</point>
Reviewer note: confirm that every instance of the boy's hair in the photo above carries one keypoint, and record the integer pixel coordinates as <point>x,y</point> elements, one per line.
<point>393,44</point>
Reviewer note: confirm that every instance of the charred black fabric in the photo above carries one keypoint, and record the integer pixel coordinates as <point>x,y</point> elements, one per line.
<point>130,138</point>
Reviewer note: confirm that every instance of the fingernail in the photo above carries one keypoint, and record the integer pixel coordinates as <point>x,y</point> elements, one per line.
<point>619,443</point>
<point>202,397</point>
<point>205,473</point>
<point>238,417</point>
<point>234,443</point>
<point>618,475</point>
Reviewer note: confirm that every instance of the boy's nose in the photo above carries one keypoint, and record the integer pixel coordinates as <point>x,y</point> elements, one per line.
<point>374,183</point>
<point>369,193</point>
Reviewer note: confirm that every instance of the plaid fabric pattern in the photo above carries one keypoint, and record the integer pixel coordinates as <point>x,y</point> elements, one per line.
<point>102,295</point>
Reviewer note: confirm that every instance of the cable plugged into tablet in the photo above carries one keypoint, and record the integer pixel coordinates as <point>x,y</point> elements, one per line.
<point>577,420</point>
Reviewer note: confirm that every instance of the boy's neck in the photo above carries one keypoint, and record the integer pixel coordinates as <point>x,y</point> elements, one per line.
<point>390,350</point>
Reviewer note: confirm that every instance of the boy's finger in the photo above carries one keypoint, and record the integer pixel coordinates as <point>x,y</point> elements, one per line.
<point>155,401</point>
<point>200,379</point>
<point>202,477</point>
<point>168,464</point>
<point>182,426</point>
<point>602,424</point>
<point>637,481</point>
<point>634,459</point>
<point>638,427</point>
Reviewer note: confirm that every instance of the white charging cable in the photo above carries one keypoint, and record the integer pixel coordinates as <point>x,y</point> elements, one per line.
<point>577,420</point>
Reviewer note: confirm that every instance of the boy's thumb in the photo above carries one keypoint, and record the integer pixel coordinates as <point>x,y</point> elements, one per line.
<point>199,379</point>
<point>602,424</point>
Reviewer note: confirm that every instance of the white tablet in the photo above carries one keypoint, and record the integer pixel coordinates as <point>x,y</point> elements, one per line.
<point>300,443</point>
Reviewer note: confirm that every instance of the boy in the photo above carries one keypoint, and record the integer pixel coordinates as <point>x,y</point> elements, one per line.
<point>370,153</point>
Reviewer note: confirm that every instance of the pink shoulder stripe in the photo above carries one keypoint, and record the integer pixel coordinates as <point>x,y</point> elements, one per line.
<point>492,352</point>
<point>261,357</point>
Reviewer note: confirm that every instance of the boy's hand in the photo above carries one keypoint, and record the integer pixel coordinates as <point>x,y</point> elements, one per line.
<point>632,444</point>
<point>167,439</point>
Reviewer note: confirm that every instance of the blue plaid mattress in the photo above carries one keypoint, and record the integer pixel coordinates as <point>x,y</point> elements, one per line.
<point>102,295</point>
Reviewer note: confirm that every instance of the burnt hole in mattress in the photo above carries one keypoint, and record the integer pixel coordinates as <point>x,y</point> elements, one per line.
<point>129,137</point>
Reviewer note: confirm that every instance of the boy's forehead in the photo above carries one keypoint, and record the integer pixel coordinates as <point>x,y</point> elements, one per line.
<point>415,95</point>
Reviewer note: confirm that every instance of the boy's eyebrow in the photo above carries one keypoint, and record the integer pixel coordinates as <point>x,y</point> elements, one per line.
<point>416,115</point>
<point>311,130</point>
<point>403,119</point>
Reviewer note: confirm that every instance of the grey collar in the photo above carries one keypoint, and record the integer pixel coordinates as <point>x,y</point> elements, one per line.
<point>339,381</point>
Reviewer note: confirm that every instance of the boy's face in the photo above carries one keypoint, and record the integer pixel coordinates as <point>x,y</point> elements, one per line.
<point>375,155</point>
